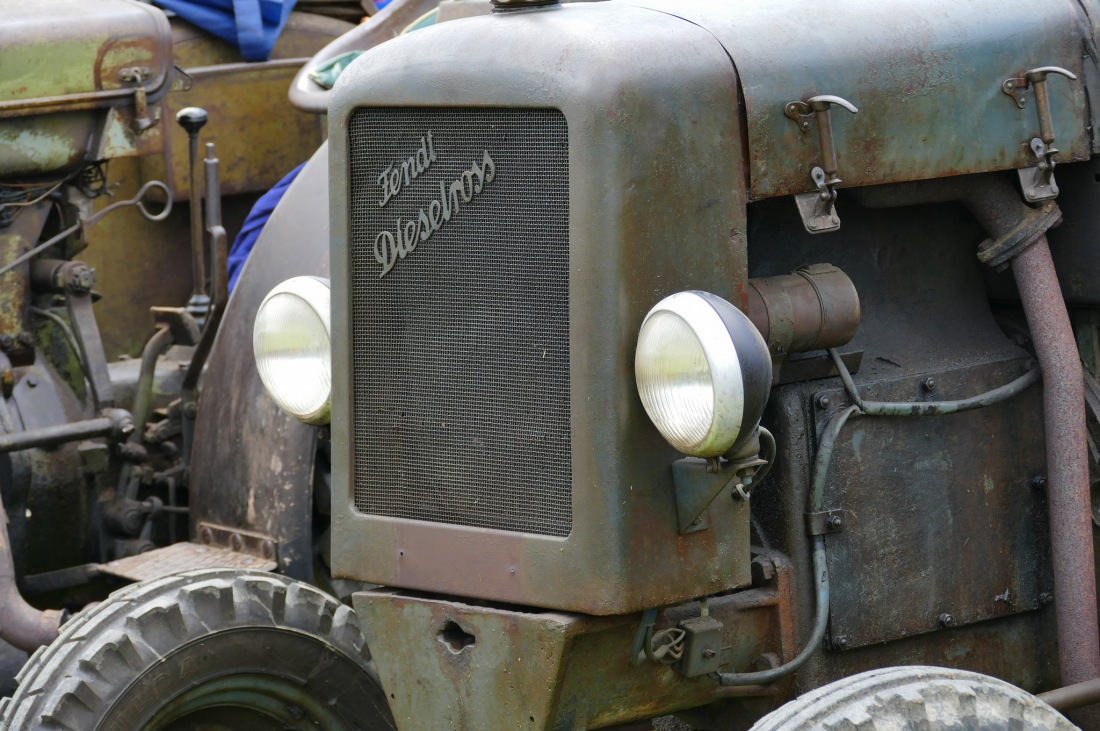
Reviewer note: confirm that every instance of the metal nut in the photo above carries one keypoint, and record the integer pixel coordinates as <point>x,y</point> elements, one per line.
<point>1038,482</point>
<point>841,641</point>
<point>929,384</point>
<point>823,401</point>
<point>946,620</point>
<point>836,521</point>
<point>1046,598</point>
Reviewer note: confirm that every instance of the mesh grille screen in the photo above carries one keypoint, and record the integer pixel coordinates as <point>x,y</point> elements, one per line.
<point>461,350</point>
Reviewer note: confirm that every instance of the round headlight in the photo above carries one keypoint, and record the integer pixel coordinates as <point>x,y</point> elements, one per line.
<point>704,373</point>
<point>291,340</point>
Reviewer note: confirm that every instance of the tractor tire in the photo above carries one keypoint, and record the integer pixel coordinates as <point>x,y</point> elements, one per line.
<point>916,697</point>
<point>212,649</point>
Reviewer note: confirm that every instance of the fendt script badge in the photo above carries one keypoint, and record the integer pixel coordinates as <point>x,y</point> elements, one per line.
<point>407,234</point>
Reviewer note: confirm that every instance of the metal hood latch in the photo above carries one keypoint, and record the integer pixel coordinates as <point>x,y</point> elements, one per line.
<point>818,208</point>
<point>1038,182</point>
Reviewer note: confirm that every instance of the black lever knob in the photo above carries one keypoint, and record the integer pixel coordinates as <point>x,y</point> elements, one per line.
<point>192,119</point>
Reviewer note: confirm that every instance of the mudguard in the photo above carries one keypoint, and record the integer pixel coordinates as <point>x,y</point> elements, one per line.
<point>252,464</point>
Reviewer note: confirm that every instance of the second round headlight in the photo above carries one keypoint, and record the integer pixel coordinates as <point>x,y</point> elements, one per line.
<point>291,340</point>
<point>703,371</point>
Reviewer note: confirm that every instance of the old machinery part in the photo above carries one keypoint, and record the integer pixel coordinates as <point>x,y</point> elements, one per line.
<point>21,624</point>
<point>220,281</point>
<point>703,373</point>
<point>931,408</point>
<point>291,340</point>
<point>1018,237</point>
<point>219,276</point>
<point>157,346</point>
<point>61,276</point>
<point>1073,696</point>
<point>818,208</point>
<point>111,423</point>
<point>991,198</point>
<point>251,648</point>
<point>193,119</point>
<point>138,200</point>
<point>814,307</point>
<point>1067,461</point>
<point>1037,182</point>
<point>816,508</point>
<point>916,697</point>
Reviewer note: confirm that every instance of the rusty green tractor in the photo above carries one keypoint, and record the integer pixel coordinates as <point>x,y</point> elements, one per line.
<point>633,364</point>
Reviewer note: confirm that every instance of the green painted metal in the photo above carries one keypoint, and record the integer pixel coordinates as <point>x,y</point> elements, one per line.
<point>649,100</point>
<point>926,77</point>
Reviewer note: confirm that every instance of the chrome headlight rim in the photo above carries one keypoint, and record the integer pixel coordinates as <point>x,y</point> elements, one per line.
<point>315,293</point>
<point>737,362</point>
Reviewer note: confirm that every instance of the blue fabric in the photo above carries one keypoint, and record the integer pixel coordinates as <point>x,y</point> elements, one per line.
<point>251,25</point>
<point>254,224</point>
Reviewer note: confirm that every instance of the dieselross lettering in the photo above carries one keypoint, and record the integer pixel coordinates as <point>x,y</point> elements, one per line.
<point>407,235</point>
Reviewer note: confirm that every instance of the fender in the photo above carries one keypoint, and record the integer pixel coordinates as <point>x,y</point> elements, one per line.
<point>252,464</point>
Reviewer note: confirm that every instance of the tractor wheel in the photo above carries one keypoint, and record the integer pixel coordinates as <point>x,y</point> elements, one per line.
<point>214,649</point>
<point>917,697</point>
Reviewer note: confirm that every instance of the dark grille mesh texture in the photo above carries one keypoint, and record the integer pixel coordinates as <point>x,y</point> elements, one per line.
<point>461,350</point>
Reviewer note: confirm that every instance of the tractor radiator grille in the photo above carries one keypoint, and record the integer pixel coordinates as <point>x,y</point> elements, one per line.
<point>459,282</point>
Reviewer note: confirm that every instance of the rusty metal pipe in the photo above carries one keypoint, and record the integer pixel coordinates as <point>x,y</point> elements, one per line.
<point>1073,696</point>
<point>21,625</point>
<point>812,308</point>
<point>1067,462</point>
<point>110,423</point>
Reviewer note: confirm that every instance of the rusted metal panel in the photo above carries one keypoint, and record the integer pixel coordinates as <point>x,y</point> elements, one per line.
<point>259,137</point>
<point>446,664</point>
<point>252,463</point>
<point>921,75</point>
<point>68,54</point>
<point>182,557</point>
<point>647,99</point>
<point>956,530</point>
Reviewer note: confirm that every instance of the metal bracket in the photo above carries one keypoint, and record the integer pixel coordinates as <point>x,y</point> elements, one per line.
<point>827,521</point>
<point>137,75</point>
<point>239,541</point>
<point>696,487</point>
<point>818,208</point>
<point>1037,182</point>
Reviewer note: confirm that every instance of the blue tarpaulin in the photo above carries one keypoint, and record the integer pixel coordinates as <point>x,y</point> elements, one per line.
<point>251,25</point>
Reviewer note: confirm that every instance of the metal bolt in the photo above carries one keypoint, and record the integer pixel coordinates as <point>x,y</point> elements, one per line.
<point>190,409</point>
<point>946,620</point>
<point>708,654</point>
<point>26,339</point>
<point>929,384</point>
<point>207,535</point>
<point>836,521</point>
<point>1046,598</point>
<point>841,641</point>
<point>1038,482</point>
<point>823,401</point>
<point>269,549</point>
<point>32,381</point>
<point>236,543</point>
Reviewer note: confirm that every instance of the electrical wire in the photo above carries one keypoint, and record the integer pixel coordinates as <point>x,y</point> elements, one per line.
<point>816,500</point>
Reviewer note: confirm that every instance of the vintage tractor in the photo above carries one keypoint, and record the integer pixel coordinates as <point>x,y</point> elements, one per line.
<point>718,362</point>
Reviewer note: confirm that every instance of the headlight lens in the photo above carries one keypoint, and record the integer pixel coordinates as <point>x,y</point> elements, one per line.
<point>703,372</point>
<point>291,340</point>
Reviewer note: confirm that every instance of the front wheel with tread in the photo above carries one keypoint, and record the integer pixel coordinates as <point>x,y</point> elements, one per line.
<point>916,697</point>
<point>216,649</point>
